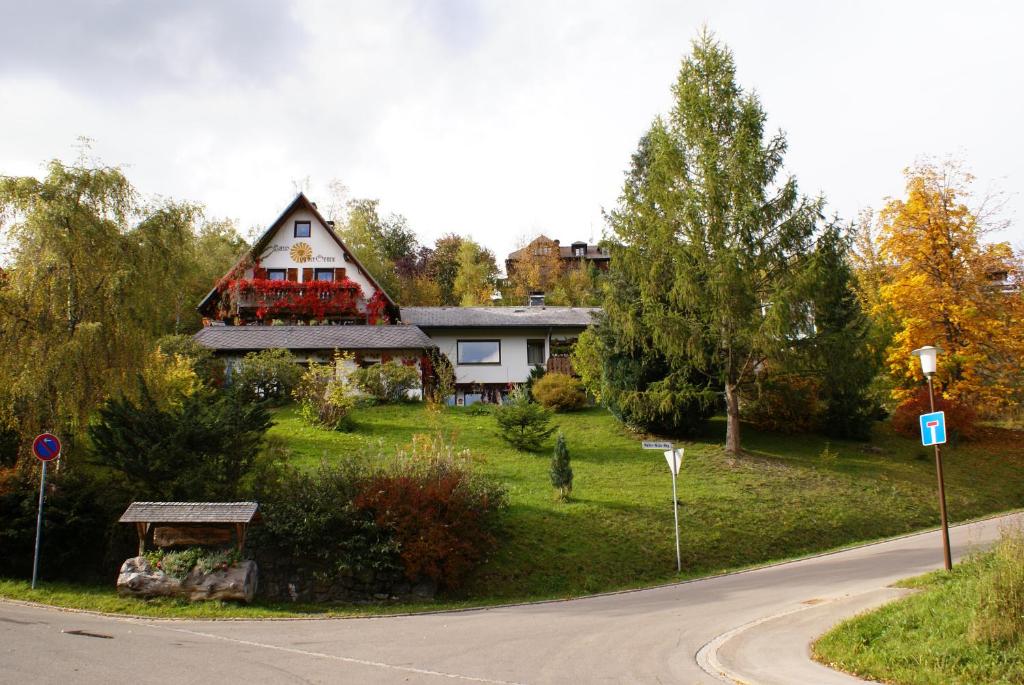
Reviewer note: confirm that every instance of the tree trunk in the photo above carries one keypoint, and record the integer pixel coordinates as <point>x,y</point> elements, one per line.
<point>732,423</point>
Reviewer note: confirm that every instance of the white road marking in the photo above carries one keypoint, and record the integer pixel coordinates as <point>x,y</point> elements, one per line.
<point>335,657</point>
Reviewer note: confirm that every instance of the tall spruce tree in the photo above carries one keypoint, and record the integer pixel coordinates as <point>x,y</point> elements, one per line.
<point>844,359</point>
<point>708,236</point>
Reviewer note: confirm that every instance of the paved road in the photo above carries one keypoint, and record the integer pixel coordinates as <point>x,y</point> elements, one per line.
<point>649,636</point>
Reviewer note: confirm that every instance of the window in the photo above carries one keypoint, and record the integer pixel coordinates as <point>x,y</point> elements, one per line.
<point>479,351</point>
<point>324,274</point>
<point>301,229</point>
<point>277,274</point>
<point>535,352</point>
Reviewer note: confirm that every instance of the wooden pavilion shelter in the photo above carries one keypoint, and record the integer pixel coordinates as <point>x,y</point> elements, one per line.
<point>167,524</point>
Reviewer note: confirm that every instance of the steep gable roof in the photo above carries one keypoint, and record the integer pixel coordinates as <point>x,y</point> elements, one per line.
<point>300,202</point>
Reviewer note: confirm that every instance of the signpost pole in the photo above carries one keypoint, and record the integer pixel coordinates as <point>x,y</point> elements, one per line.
<point>675,508</point>
<point>39,526</point>
<point>673,458</point>
<point>947,558</point>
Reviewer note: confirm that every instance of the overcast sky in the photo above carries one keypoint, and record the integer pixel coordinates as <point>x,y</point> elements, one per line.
<point>496,119</point>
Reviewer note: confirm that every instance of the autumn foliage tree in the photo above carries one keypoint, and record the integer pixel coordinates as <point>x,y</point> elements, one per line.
<point>944,286</point>
<point>95,276</point>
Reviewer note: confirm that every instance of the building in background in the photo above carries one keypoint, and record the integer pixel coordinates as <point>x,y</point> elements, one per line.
<point>301,289</point>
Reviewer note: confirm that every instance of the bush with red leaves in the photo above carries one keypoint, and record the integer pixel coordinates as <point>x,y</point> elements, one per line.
<point>441,514</point>
<point>961,419</point>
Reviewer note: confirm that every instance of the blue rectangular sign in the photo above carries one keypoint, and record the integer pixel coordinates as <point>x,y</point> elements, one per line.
<point>933,428</point>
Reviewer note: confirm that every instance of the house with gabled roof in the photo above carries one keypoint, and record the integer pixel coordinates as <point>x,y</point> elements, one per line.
<point>300,288</point>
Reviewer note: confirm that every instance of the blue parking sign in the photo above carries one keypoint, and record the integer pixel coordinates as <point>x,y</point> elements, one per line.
<point>933,428</point>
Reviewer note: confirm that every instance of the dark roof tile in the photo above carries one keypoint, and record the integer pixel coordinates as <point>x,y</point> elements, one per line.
<point>189,512</point>
<point>497,317</point>
<point>314,337</point>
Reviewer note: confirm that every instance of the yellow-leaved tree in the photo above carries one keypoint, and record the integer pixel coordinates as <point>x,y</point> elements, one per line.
<point>945,286</point>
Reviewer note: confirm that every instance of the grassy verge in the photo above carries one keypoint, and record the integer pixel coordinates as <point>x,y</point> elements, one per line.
<point>963,627</point>
<point>787,498</point>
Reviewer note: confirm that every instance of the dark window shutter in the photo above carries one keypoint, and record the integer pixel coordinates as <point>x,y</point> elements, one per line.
<point>259,272</point>
<point>307,275</point>
<point>339,273</point>
<point>293,275</point>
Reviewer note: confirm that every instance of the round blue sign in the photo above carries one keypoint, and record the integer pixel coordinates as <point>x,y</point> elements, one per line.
<point>46,447</point>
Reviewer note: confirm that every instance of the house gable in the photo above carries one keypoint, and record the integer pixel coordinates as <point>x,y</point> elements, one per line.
<point>300,254</point>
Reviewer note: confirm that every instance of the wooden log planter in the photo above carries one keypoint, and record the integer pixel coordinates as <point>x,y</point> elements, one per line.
<point>138,578</point>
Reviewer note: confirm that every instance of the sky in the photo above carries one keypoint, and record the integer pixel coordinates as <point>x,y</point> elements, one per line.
<point>498,120</point>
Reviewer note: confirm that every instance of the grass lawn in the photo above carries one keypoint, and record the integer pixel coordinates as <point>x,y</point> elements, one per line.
<point>782,500</point>
<point>939,636</point>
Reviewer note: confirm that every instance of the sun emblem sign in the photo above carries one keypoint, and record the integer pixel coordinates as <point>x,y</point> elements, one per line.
<point>301,253</point>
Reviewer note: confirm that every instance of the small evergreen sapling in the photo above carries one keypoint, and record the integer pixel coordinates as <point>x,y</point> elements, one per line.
<point>523,423</point>
<point>561,471</point>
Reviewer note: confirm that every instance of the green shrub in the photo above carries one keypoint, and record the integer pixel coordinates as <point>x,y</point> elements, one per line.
<point>536,373</point>
<point>424,513</point>
<point>178,564</point>
<point>586,361</point>
<point>209,369</point>
<point>961,419</point>
<point>561,471</point>
<point>560,392</point>
<point>198,451</point>
<point>440,514</point>
<point>440,373</point>
<point>267,375</point>
<point>325,395</point>
<point>388,382</point>
<point>783,405</point>
<point>81,539</point>
<point>310,519</point>
<point>642,394</point>
<point>523,423</point>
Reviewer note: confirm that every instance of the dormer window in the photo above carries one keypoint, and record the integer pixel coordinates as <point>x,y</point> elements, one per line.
<point>301,229</point>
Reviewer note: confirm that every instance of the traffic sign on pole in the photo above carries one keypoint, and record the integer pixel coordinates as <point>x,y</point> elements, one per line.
<point>933,428</point>
<point>673,457</point>
<point>46,447</point>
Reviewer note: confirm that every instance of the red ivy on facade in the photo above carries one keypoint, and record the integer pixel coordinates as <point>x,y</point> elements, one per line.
<point>376,309</point>
<point>280,299</point>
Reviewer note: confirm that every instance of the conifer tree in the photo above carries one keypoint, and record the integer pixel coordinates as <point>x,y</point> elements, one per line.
<point>710,236</point>
<point>561,471</point>
<point>845,360</point>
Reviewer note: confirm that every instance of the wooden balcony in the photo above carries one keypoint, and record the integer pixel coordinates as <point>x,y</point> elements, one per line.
<point>560,363</point>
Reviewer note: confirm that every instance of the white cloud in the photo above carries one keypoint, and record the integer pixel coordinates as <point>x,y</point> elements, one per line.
<point>503,119</point>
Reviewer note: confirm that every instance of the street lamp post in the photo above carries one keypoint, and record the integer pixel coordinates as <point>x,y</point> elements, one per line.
<point>928,356</point>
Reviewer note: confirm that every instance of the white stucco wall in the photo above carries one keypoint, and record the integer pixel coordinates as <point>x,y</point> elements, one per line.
<point>513,367</point>
<point>326,251</point>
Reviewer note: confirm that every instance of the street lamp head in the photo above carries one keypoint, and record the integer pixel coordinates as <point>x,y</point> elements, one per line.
<point>928,355</point>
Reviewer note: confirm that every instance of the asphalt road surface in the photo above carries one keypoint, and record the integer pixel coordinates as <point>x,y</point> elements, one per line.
<point>752,627</point>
